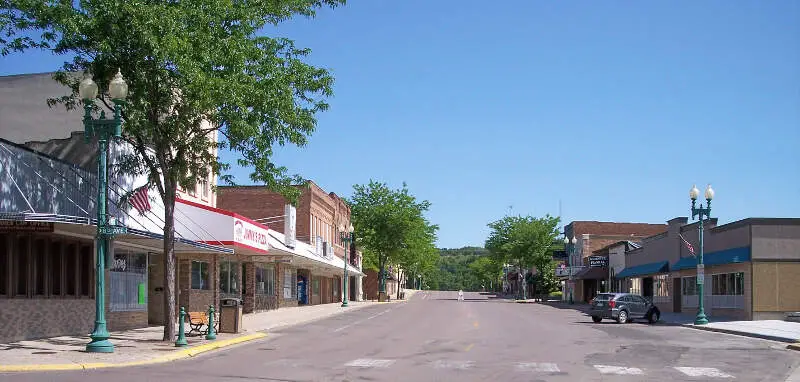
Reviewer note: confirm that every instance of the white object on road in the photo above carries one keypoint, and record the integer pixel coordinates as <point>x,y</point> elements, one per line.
<point>460,295</point>
<point>366,362</point>
<point>710,372</point>
<point>538,367</point>
<point>621,370</point>
<point>446,364</point>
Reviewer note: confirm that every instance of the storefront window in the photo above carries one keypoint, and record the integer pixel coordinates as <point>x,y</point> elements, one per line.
<point>689,286</point>
<point>229,278</point>
<point>200,277</point>
<point>336,285</point>
<point>128,282</point>
<point>265,280</point>
<point>289,284</point>
<point>315,284</point>
<point>661,286</point>
<point>728,284</point>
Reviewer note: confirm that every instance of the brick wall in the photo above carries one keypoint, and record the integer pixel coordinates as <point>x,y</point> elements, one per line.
<point>258,202</point>
<point>22,319</point>
<point>194,300</point>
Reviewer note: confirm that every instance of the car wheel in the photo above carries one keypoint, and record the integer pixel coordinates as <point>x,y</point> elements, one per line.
<point>596,319</point>
<point>653,317</point>
<point>623,317</point>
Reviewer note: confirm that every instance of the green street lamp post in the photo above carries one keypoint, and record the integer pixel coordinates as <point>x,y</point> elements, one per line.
<point>105,129</point>
<point>701,213</point>
<point>347,238</point>
<point>570,244</point>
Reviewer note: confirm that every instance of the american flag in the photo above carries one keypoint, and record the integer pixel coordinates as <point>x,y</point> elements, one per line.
<point>689,246</point>
<point>140,201</point>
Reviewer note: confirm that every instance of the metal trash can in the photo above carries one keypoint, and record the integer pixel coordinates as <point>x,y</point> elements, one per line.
<point>230,316</point>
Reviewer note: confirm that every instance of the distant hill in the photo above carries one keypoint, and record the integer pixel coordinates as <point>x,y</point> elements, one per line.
<point>464,251</point>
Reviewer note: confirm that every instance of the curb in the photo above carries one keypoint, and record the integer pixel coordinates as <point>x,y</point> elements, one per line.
<point>180,354</point>
<point>794,346</point>
<point>744,334</point>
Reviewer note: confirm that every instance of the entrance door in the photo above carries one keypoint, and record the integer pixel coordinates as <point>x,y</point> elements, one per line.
<point>676,295</point>
<point>647,287</point>
<point>302,296</point>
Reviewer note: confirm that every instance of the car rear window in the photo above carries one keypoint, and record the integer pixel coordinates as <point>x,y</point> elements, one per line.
<point>604,297</point>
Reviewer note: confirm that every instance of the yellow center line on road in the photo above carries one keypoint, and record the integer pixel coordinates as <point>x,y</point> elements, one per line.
<point>475,324</point>
<point>469,347</point>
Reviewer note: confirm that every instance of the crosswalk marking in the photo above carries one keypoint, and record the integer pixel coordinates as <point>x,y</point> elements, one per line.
<point>527,367</point>
<point>621,370</point>
<point>710,372</point>
<point>445,364</point>
<point>366,362</point>
<point>538,367</point>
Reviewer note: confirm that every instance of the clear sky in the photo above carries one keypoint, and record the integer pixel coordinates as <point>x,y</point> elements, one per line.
<point>611,109</point>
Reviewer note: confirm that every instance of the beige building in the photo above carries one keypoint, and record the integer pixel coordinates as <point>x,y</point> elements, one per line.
<point>751,268</point>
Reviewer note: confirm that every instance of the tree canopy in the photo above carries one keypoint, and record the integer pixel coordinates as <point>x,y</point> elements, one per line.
<point>525,241</point>
<point>201,78</point>
<point>391,228</point>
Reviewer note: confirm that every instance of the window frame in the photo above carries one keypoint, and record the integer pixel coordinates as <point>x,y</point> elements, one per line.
<point>205,282</point>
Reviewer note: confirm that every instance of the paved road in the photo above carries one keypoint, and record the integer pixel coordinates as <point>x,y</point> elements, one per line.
<point>436,338</point>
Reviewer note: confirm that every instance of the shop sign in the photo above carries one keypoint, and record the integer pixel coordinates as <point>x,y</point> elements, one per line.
<point>249,234</point>
<point>20,226</point>
<point>701,274</point>
<point>598,261</point>
<point>290,225</point>
<point>319,246</point>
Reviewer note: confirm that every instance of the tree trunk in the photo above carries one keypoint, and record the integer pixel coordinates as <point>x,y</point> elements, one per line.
<point>169,262</point>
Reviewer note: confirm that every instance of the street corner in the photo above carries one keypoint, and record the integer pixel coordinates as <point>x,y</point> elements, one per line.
<point>178,354</point>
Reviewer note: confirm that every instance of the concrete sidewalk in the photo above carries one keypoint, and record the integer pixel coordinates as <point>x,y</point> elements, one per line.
<point>144,346</point>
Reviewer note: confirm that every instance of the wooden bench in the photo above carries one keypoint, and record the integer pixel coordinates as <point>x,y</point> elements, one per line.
<point>198,322</point>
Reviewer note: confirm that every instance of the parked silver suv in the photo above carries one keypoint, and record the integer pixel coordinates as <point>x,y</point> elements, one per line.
<point>623,307</point>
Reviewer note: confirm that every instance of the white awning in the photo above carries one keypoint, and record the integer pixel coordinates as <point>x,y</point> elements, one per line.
<point>305,255</point>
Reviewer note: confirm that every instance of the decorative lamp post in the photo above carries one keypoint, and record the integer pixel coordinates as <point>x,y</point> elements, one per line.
<point>570,252</point>
<point>419,282</point>
<point>701,213</point>
<point>347,238</point>
<point>105,129</point>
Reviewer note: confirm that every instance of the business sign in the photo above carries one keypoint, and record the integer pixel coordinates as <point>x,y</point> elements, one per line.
<point>319,246</point>
<point>20,226</point>
<point>598,261</point>
<point>327,250</point>
<point>701,274</point>
<point>290,225</point>
<point>250,234</point>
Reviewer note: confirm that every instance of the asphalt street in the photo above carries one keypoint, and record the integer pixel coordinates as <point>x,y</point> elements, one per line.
<point>434,337</point>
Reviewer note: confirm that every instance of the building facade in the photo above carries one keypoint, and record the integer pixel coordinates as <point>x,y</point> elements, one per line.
<point>48,223</point>
<point>319,216</point>
<point>751,268</point>
<point>592,236</point>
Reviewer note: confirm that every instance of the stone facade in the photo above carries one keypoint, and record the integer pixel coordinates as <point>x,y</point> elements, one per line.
<point>24,319</point>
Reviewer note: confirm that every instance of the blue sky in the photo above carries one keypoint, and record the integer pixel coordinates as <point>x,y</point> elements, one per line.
<point>613,109</point>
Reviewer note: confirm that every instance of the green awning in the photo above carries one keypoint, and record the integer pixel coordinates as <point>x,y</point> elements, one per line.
<point>727,256</point>
<point>644,269</point>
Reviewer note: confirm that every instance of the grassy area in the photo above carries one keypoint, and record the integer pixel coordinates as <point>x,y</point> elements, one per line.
<point>556,294</point>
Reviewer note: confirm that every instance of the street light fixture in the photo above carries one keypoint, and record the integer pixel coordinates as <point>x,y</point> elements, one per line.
<point>347,238</point>
<point>105,129</point>
<point>701,213</point>
<point>570,252</point>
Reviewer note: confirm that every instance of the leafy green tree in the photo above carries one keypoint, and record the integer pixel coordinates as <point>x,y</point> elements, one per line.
<point>196,70</point>
<point>486,270</point>
<point>391,227</point>
<point>523,241</point>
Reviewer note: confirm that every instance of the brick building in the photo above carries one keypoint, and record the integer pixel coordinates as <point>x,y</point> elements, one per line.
<point>592,236</point>
<point>47,230</point>
<point>319,216</point>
